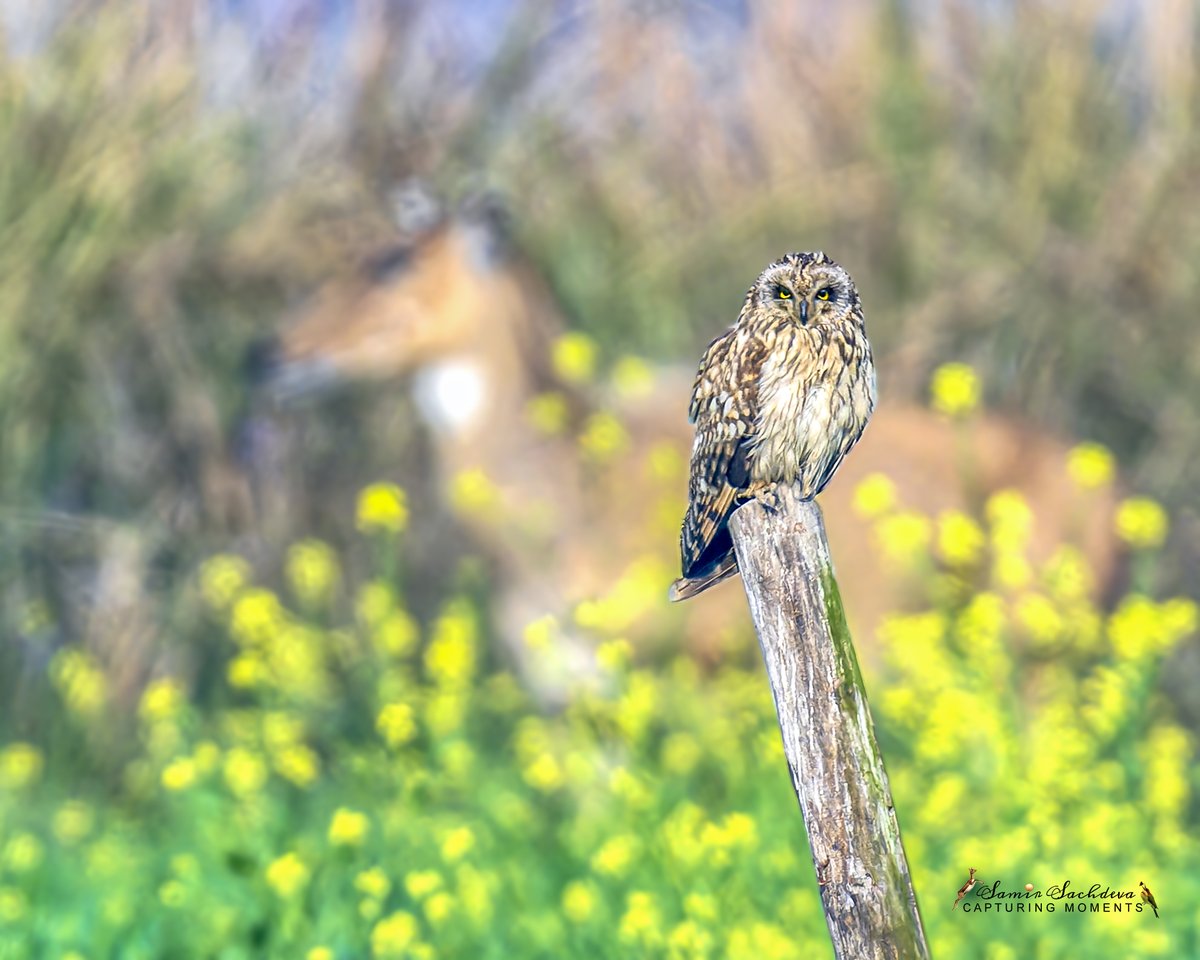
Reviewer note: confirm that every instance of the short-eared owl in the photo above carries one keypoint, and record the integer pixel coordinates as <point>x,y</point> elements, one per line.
<point>780,397</point>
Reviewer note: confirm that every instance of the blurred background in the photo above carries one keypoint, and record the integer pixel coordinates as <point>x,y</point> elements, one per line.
<point>345,351</point>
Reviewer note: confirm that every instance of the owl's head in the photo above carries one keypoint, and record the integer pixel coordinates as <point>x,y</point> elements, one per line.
<point>808,289</point>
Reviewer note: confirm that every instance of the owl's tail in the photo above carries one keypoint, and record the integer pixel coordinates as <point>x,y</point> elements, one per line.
<point>686,587</point>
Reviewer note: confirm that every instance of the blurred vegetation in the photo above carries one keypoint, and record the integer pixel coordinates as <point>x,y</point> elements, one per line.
<point>303,746</point>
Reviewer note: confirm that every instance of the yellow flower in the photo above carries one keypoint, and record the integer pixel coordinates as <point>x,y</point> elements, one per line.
<point>540,633</point>
<point>874,496</point>
<point>256,618</point>
<point>348,828</point>
<point>904,536</point>
<point>287,875</point>
<point>421,883</point>
<point>319,953</point>
<point>374,602</point>
<point>701,906</point>
<point>179,774</point>
<point>1142,523</point>
<point>245,772</point>
<point>13,905</point>
<point>394,935</point>
<point>382,508</point>
<point>72,822</point>
<point>603,437</point>
<point>642,920</point>
<point>172,894</point>
<point>544,773</point>
<point>547,413</point>
<point>473,493</point>
<point>632,377</point>
<point>20,765</point>
<point>161,700</point>
<point>615,857</point>
<point>79,681</point>
<point>373,883</point>
<point>397,724</point>
<point>247,671</point>
<point>312,571</point>
<point>457,844</point>
<point>614,655</point>
<point>450,656</point>
<point>689,940</point>
<point>222,578</point>
<point>955,389</point>
<point>680,753</point>
<point>438,908</point>
<point>1040,618</point>
<point>298,764</point>
<point>1090,465</point>
<point>960,541</point>
<point>23,853</point>
<point>574,357</point>
<point>579,901</point>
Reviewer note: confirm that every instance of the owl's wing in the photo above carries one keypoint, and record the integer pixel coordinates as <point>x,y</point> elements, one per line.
<point>724,409</point>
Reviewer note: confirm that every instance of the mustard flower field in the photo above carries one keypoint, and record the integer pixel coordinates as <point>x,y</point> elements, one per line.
<point>346,782</point>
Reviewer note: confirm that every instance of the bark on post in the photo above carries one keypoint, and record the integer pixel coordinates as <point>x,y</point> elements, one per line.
<point>828,736</point>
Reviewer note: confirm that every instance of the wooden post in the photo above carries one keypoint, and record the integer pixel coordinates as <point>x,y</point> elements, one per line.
<point>828,736</point>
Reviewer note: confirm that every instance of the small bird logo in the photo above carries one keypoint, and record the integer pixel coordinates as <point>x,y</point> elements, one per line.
<point>1148,897</point>
<point>965,888</point>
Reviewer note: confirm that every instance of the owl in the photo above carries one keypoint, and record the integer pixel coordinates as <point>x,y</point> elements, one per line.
<point>780,398</point>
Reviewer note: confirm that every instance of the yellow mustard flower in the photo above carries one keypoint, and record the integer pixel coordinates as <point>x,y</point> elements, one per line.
<point>904,536</point>
<point>245,772</point>
<point>700,906</point>
<point>79,681</point>
<point>547,413</point>
<point>954,390</point>
<point>382,508</point>
<point>394,935</point>
<point>421,883</point>
<point>287,875</point>
<point>397,724</point>
<point>450,656</point>
<point>574,357</point>
<point>1091,465</point>
<point>539,634</point>
<point>256,618</point>
<point>544,773</point>
<point>614,655</point>
<point>1040,618</point>
<point>72,822</point>
<point>689,940</point>
<point>396,636</point>
<point>680,753</point>
<point>319,953</point>
<point>579,901</point>
<point>348,828</point>
<point>457,844</point>
<point>161,700</point>
<point>179,774</point>
<point>632,377</point>
<point>247,671</point>
<point>603,437</point>
<point>472,493</point>
<point>642,921</point>
<point>23,853</point>
<point>20,765</point>
<point>1142,523</point>
<point>222,578</point>
<point>374,601</point>
<point>960,540</point>
<point>373,883</point>
<point>438,908</point>
<point>298,764</point>
<point>874,496</point>
<point>616,855</point>
<point>312,571</point>
<point>14,905</point>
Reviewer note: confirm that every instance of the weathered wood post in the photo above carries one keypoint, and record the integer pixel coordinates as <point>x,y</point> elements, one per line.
<point>828,735</point>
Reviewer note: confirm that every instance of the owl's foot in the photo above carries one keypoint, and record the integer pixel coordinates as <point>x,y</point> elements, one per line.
<point>768,496</point>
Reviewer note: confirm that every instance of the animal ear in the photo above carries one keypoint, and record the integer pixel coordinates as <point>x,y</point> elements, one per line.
<point>415,207</point>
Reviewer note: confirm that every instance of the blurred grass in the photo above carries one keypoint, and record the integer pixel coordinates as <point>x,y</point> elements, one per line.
<point>1016,189</point>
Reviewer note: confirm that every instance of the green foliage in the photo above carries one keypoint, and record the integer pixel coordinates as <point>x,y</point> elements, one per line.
<point>362,785</point>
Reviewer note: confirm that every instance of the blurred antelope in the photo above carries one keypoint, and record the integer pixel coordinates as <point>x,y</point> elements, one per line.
<point>458,308</point>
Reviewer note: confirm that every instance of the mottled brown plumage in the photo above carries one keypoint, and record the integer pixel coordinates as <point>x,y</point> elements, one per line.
<point>780,397</point>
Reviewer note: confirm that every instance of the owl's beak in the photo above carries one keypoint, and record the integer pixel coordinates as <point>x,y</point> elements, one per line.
<point>804,312</point>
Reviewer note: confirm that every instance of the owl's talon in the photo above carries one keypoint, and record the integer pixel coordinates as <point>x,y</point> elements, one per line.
<point>768,496</point>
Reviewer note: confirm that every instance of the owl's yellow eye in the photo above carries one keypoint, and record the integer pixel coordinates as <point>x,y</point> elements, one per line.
<point>783,293</point>
<point>823,293</point>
